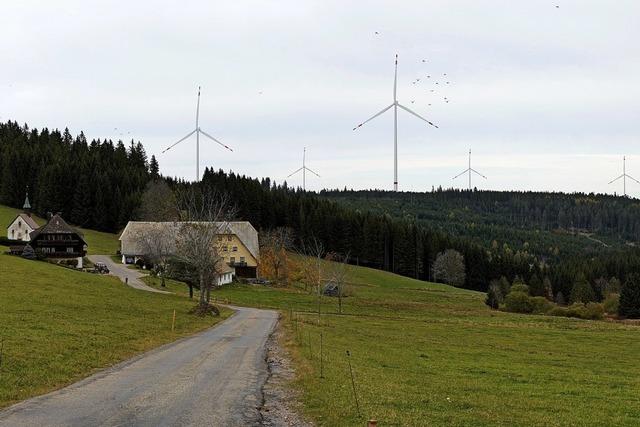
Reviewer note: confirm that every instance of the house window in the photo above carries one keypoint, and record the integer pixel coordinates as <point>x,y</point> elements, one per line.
<point>232,259</point>
<point>13,234</point>
<point>219,238</point>
<point>229,238</point>
<point>241,259</point>
<point>225,248</point>
<point>235,249</point>
<point>19,224</point>
<point>70,250</point>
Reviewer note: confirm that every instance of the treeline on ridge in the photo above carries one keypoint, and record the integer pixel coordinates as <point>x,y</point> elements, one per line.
<point>99,184</point>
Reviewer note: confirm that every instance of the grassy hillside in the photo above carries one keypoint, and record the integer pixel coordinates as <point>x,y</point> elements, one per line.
<point>429,354</point>
<point>98,242</point>
<point>58,325</point>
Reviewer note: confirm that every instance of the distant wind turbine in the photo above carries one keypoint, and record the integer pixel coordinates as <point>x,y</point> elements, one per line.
<point>624,176</point>
<point>395,106</point>
<point>197,131</point>
<point>469,170</point>
<point>304,170</point>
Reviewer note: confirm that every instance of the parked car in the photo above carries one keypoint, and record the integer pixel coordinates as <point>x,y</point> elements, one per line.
<point>101,267</point>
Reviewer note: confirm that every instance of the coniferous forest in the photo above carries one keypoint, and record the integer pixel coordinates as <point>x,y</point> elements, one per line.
<point>99,184</point>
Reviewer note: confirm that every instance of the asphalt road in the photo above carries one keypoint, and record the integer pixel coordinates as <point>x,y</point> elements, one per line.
<point>123,272</point>
<point>214,378</point>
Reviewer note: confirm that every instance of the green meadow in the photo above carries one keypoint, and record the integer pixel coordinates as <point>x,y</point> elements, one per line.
<point>430,354</point>
<point>58,325</point>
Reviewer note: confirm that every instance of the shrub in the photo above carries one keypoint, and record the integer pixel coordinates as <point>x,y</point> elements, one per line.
<point>582,292</point>
<point>576,310</point>
<point>449,267</point>
<point>494,296</point>
<point>519,287</point>
<point>536,287</point>
<point>594,311</point>
<point>540,305</point>
<point>611,304</point>
<point>557,310</point>
<point>518,302</point>
<point>630,297</point>
<point>505,286</point>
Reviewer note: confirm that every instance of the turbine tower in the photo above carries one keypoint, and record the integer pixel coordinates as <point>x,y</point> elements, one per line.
<point>469,170</point>
<point>197,131</point>
<point>304,170</point>
<point>395,106</point>
<point>624,176</point>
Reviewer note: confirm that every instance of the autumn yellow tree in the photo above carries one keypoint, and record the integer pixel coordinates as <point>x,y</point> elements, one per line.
<point>274,254</point>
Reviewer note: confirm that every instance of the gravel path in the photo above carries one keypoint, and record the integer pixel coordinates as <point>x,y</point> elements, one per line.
<point>214,378</point>
<point>124,273</point>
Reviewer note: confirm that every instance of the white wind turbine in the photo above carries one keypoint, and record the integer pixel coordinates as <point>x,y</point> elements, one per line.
<point>304,170</point>
<point>197,131</point>
<point>395,106</point>
<point>469,170</point>
<point>624,176</point>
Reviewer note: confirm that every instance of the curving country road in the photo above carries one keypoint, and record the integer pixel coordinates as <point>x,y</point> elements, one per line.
<point>130,276</point>
<point>214,378</point>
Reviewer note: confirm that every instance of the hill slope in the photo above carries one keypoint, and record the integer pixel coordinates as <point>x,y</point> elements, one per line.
<point>60,325</point>
<point>430,354</point>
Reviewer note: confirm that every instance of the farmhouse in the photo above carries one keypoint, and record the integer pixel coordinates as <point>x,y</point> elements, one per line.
<point>237,243</point>
<point>57,239</point>
<point>23,225</point>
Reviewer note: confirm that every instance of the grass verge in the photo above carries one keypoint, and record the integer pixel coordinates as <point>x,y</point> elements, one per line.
<point>58,325</point>
<point>430,354</point>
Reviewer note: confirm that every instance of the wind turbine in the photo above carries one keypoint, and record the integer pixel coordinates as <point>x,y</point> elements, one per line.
<point>469,170</point>
<point>395,106</point>
<point>197,131</point>
<point>304,170</point>
<point>624,176</point>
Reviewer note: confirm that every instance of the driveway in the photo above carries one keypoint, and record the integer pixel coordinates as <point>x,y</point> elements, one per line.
<point>214,378</point>
<point>124,273</point>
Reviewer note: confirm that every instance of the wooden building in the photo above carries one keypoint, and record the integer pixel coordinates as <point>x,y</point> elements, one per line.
<point>57,239</point>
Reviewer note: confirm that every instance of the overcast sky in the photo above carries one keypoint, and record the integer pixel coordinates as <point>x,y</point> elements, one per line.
<point>547,98</point>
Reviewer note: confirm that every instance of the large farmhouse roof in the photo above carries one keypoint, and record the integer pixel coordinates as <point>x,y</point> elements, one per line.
<point>130,237</point>
<point>27,220</point>
<point>56,225</point>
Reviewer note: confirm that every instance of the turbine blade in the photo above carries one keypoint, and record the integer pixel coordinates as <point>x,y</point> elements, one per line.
<point>395,80</point>
<point>212,138</point>
<point>373,117</point>
<point>614,180</point>
<point>180,140</point>
<point>461,173</point>
<point>293,173</point>
<point>416,114</point>
<point>630,177</point>
<point>312,172</point>
<point>473,170</point>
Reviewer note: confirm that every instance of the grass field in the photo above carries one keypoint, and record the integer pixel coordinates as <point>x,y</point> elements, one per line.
<point>98,242</point>
<point>58,325</point>
<point>429,354</point>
